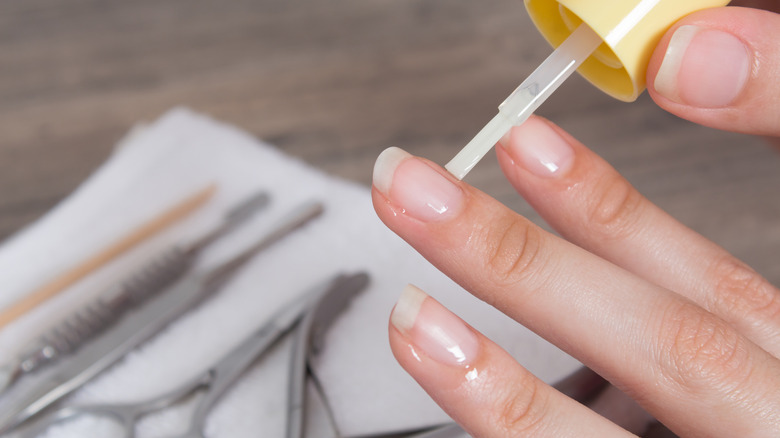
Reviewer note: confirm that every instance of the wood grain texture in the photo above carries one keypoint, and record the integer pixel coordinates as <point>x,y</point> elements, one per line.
<point>334,83</point>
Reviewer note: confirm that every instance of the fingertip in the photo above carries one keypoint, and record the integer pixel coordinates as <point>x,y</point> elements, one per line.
<point>703,67</point>
<point>431,343</point>
<point>716,67</point>
<point>407,308</point>
<point>539,148</point>
<point>385,166</point>
<point>433,329</point>
<point>416,188</point>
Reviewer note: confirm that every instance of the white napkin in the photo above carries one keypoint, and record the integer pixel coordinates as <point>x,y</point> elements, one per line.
<point>160,164</point>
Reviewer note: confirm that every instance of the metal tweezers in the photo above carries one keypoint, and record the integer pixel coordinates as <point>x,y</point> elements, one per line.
<point>308,315</point>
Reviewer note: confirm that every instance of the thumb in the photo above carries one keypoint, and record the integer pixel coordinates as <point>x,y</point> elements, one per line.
<point>721,68</point>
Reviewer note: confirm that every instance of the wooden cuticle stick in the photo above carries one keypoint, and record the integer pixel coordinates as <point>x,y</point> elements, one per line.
<point>102,257</point>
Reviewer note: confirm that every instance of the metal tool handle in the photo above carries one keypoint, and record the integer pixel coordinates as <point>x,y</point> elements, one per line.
<point>309,339</point>
<point>68,335</point>
<point>298,217</point>
<point>154,276</point>
<point>138,326</point>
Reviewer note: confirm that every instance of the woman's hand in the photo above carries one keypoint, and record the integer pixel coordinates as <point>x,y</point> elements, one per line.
<point>676,322</point>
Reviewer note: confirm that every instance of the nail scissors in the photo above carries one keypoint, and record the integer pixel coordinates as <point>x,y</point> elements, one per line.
<point>308,316</point>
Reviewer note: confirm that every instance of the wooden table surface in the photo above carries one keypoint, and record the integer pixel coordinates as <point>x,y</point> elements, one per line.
<point>335,82</point>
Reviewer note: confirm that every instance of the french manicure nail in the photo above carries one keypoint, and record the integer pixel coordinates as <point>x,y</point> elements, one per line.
<point>705,68</point>
<point>433,329</point>
<point>537,147</point>
<point>416,187</point>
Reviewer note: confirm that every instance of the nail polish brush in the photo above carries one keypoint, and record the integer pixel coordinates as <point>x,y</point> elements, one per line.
<point>608,41</point>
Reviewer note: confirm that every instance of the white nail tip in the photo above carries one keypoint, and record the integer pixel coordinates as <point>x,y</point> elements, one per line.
<point>385,166</point>
<point>666,78</point>
<point>408,306</point>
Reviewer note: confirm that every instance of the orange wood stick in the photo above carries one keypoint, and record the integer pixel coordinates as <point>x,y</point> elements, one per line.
<point>126,242</point>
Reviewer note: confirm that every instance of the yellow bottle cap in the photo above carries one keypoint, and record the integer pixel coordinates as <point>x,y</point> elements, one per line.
<point>630,30</point>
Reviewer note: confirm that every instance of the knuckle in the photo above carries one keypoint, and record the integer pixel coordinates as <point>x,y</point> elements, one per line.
<point>513,249</point>
<point>522,412</point>
<point>700,351</point>
<point>616,207</point>
<point>740,291</point>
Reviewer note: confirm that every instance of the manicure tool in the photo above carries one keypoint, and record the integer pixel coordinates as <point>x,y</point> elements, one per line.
<point>309,315</point>
<point>608,41</point>
<point>136,327</point>
<point>60,283</point>
<point>157,274</point>
<point>308,342</point>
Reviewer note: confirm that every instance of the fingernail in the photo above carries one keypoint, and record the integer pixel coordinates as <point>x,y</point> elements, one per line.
<point>416,187</point>
<point>537,147</point>
<point>433,329</point>
<point>704,68</point>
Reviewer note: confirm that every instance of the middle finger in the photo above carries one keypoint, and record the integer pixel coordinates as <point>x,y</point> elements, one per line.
<point>593,206</point>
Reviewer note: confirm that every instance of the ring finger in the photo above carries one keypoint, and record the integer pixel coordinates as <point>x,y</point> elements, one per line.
<point>480,385</point>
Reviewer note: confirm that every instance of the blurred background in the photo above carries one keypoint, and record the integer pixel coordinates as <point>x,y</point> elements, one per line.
<point>334,83</point>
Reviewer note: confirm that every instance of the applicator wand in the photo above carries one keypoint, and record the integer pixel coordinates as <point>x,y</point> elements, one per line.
<point>609,41</point>
<point>519,106</point>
